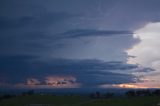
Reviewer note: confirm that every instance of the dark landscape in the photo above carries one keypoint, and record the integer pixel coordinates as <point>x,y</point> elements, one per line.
<point>131,97</point>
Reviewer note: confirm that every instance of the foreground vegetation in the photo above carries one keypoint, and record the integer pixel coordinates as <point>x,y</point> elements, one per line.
<point>134,101</point>
<point>80,101</point>
<point>42,99</point>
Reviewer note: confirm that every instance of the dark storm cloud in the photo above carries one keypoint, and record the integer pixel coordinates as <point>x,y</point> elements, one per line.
<point>40,20</point>
<point>88,65</point>
<point>96,79</point>
<point>33,30</point>
<point>32,27</point>
<point>88,72</point>
<point>92,32</point>
<point>29,33</point>
<point>15,68</point>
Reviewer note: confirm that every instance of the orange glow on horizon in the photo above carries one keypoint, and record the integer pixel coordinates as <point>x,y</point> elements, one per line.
<point>131,86</point>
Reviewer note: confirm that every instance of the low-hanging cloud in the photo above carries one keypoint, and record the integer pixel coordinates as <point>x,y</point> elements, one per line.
<point>85,72</point>
<point>33,81</point>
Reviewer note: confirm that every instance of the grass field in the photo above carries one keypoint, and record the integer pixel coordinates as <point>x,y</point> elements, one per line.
<point>80,101</point>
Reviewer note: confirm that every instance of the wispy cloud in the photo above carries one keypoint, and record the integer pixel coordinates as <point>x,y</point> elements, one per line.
<point>93,32</point>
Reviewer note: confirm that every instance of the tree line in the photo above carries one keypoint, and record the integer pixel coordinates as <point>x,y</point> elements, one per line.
<point>129,93</point>
<point>133,93</point>
<point>96,95</point>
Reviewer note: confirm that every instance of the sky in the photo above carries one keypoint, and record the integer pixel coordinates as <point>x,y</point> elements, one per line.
<point>79,44</point>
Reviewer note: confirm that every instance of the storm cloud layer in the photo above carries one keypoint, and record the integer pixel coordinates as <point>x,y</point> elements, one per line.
<point>81,42</point>
<point>28,70</point>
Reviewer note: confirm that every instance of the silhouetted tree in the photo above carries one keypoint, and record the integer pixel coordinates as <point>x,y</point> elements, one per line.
<point>131,93</point>
<point>109,95</point>
<point>156,92</point>
<point>98,95</point>
<point>7,96</point>
<point>143,93</point>
<point>30,92</point>
<point>92,95</point>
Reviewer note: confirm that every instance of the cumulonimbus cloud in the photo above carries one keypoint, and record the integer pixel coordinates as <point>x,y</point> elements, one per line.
<point>147,52</point>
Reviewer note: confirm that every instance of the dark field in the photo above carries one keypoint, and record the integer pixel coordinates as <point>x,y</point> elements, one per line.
<point>79,101</point>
